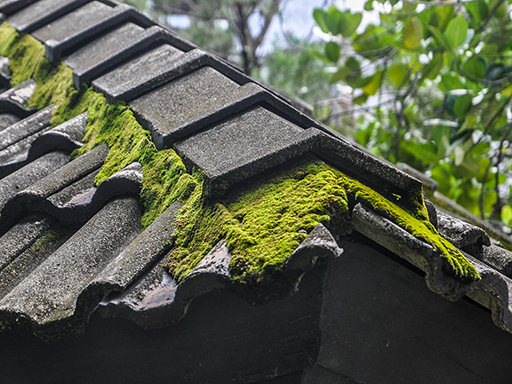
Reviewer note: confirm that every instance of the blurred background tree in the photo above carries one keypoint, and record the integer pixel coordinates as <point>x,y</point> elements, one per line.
<point>227,27</point>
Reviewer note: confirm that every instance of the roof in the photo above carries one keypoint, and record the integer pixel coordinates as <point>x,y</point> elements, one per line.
<point>71,240</point>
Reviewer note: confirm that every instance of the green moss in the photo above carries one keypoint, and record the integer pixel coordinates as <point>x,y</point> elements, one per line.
<point>48,237</point>
<point>262,226</point>
<point>455,262</point>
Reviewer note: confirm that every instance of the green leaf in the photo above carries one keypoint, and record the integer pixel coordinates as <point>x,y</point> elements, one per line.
<point>368,6</point>
<point>440,38</point>
<point>332,51</point>
<point>456,31</point>
<point>432,69</point>
<point>442,16</point>
<point>397,74</point>
<point>449,82</point>
<point>475,67</point>
<point>350,23</point>
<point>506,214</point>
<point>490,49</point>
<point>334,19</point>
<point>353,64</point>
<point>320,18</point>
<point>373,86</point>
<point>355,80</point>
<point>462,106</point>
<point>360,99</point>
<point>478,10</point>
<point>340,75</point>
<point>413,33</point>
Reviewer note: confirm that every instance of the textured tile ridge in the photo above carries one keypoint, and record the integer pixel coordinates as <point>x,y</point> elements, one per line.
<point>42,12</point>
<point>65,138</point>
<point>10,6</point>
<point>117,47</point>
<point>46,301</point>
<point>82,24</point>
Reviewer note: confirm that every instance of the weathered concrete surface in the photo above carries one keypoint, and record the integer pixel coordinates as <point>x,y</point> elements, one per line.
<point>113,49</point>
<point>14,99</point>
<point>7,119</point>
<point>49,294</point>
<point>83,24</point>
<point>25,128</point>
<point>498,258</point>
<point>10,6</point>
<point>463,235</point>
<point>243,146</point>
<point>41,13</point>
<point>29,174</point>
<point>145,71</point>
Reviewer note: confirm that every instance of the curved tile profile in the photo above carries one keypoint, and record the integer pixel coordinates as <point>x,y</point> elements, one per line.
<point>158,300</point>
<point>14,99</point>
<point>46,300</point>
<point>492,291</point>
<point>118,46</point>
<point>69,194</point>
<point>65,137</point>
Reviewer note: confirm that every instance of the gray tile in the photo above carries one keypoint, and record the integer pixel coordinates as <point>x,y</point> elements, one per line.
<point>139,72</point>
<point>243,146</point>
<point>25,128</point>
<point>116,48</point>
<point>10,6</point>
<point>42,12</point>
<point>80,26</point>
<point>29,174</point>
<point>171,108</point>
<point>51,291</point>
<point>14,99</point>
<point>7,119</point>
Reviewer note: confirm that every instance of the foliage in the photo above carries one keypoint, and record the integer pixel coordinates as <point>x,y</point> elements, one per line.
<point>435,82</point>
<point>296,70</point>
<point>226,27</point>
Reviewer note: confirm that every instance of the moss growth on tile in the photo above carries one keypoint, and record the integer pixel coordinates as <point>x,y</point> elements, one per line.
<point>420,227</point>
<point>165,178</point>
<point>262,226</point>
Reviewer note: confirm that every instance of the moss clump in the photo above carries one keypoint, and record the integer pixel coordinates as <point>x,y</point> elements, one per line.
<point>49,236</point>
<point>455,262</point>
<point>26,56</point>
<point>262,226</point>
